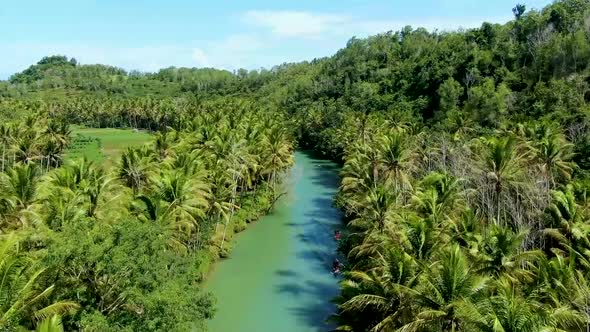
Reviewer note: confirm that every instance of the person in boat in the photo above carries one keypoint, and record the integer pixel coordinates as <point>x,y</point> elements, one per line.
<point>337,235</point>
<point>336,266</point>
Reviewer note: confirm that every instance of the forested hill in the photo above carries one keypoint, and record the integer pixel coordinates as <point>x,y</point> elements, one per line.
<point>534,66</point>
<point>464,187</point>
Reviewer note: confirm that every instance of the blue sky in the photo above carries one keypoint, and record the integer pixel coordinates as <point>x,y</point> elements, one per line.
<point>151,34</point>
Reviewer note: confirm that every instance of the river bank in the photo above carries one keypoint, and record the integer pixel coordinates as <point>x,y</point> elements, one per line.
<point>278,276</point>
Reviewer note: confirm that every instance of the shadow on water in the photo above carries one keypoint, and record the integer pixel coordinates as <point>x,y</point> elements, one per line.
<point>286,273</point>
<point>320,260</point>
<point>314,314</point>
<point>327,213</point>
<point>317,250</point>
<point>326,172</point>
<point>326,176</point>
<point>294,286</point>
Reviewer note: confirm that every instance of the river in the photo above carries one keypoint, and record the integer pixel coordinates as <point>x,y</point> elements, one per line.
<point>278,277</point>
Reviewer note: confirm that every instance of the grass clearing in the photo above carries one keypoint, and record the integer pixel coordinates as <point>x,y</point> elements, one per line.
<point>103,145</point>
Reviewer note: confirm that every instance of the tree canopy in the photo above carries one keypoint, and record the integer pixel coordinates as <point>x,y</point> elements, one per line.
<point>464,179</point>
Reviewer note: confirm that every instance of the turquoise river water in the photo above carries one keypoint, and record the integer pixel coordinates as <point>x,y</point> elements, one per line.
<point>278,277</point>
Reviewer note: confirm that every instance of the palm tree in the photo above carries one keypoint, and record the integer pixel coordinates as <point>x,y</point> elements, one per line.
<point>500,255</point>
<point>438,197</point>
<point>422,235</point>
<point>162,145</point>
<point>222,197</point>
<point>236,169</point>
<point>466,230</point>
<point>555,155</point>
<point>150,209</point>
<point>96,189</point>
<point>56,137</point>
<point>51,324</point>
<point>24,298</point>
<point>378,206</point>
<point>134,169</point>
<point>380,299</point>
<point>60,206</point>
<point>72,174</point>
<point>19,187</point>
<point>185,201</point>
<point>6,140</point>
<point>396,159</point>
<point>278,154</point>
<point>58,133</point>
<point>26,147</point>
<point>185,195</point>
<point>88,180</point>
<point>502,163</point>
<point>358,178</point>
<point>51,155</point>
<point>567,222</point>
<point>445,288</point>
<point>510,310</point>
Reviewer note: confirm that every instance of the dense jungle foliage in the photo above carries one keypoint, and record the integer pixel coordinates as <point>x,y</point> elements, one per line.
<point>464,184</point>
<point>124,248</point>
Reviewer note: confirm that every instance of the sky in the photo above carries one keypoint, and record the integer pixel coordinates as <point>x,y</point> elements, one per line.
<point>147,35</point>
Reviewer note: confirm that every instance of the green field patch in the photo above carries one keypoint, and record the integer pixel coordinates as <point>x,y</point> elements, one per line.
<point>103,145</point>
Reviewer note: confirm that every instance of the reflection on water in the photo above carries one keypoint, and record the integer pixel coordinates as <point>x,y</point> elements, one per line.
<point>278,277</point>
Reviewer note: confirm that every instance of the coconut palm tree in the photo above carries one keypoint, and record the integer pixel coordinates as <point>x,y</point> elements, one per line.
<point>567,222</point>
<point>379,203</point>
<point>422,235</point>
<point>509,309</point>
<point>6,139</point>
<point>555,154</point>
<point>380,299</point>
<point>89,181</point>
<point>162,145</point>
<point>134,169</point>
<point>438,197</point>
<point>51,324</point>
<point>396,159</point>
<point>57,133</point>
<point>60,206</point>
<point>26,146</point>
<point>358,178</point>
<point>185,202</point>
<point>502,164</point>
<point>500,254</point>
<point>278,154</point>
<point>25,298</point>
<point>446,287</point>
<point>185,195</point>
<point>19,187</point>
<point>97,190</point>
<point>56,137</point>
<point>466,230</point>
<point>222,198</point>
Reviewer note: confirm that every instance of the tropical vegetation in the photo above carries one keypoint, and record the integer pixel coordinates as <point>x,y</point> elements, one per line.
<point>464,183</point>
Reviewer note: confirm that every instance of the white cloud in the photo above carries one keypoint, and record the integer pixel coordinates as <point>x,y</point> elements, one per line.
<point>147,58</point>
<point>277,37</point>
<point>303,24</point>
<point>200,58</point>
<point>295,23</point>
<point>232,52</point>
<point>240,43</point>
<point>431,24</point>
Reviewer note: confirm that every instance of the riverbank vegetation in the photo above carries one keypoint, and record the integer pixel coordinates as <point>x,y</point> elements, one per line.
<point>465,177</point>
<point>124,248</point>
<point>464,181</point>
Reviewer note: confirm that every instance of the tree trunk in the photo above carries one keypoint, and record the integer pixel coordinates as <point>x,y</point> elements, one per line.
<point>231,214</point>
<point>3,154</point>
<point>498,192</point>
